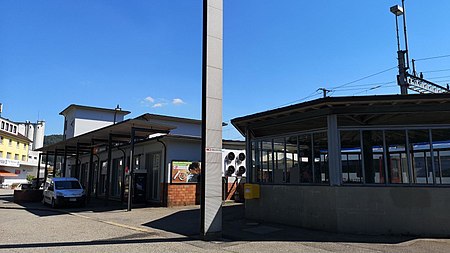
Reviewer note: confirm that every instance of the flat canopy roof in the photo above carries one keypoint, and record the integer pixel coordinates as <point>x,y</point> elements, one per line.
<point>362,110</point>
<point>120,131</point>
<point>74,106</point>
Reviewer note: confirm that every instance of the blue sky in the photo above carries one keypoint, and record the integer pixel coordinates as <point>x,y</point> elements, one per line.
<point>146,55</point>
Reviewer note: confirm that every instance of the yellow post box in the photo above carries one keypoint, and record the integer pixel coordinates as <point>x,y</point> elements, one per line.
<point>251,191</point>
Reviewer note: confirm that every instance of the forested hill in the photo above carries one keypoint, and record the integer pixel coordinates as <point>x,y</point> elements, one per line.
<point>53,138</point>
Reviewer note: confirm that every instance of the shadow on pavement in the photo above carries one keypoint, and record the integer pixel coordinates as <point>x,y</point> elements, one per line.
<point>39,209</point>
<point>187,223</point>
<point>91,243</point>
<point>237,228</point>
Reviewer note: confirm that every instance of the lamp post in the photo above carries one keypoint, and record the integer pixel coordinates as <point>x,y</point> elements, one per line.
<point>397,11</point>
<point>403,64</point>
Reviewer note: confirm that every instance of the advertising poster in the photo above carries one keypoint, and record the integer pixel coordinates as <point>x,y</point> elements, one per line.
<point>185,172</point>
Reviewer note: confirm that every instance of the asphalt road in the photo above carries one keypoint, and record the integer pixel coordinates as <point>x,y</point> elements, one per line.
<point>43,230</point>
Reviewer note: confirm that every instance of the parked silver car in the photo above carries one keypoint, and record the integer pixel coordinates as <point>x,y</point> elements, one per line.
<point>60,191</point>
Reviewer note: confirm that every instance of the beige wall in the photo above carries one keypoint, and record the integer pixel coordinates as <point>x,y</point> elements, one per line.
<point>365,210</point>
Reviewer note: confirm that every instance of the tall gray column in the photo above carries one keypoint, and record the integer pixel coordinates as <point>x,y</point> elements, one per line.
<point>211,201</point>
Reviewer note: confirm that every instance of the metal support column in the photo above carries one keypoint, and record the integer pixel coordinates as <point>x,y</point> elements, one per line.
<point>401,77</point>
<point>124,162</point>
<point>55,157</point>
<point>38,171</point>
<point>166,180</point>
<point>108,171</point>
<point>46,169</point>
<point>91,175</point>
<point>64,165</point>
<point>131,169</point>
<point>97,187</point>
<point>77,156</point>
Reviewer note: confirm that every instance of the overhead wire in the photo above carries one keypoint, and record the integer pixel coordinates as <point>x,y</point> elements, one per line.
<point>432,57</point>
<point>434,71</point>
<point>438,77</point>
<point>378,85</point>
<point>364,85</point>
<point>374,88</point>
<point>315,93</point>
<point>363,78</point>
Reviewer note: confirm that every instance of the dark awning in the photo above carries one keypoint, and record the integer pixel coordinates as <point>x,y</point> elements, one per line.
<point>360,110</point>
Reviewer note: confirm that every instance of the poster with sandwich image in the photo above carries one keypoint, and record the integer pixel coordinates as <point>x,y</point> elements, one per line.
<point>185,172</point>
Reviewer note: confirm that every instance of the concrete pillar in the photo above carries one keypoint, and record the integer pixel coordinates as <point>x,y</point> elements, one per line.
<point>334,152</point>
<point>211,201</point>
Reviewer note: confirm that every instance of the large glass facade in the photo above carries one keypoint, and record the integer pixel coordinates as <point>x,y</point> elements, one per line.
<point>395,156</point>
<point>294,159</point>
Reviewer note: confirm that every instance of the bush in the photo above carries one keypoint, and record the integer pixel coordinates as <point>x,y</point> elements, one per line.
<point>30,178</point>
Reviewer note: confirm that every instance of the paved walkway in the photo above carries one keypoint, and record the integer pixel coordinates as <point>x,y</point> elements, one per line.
<point>239,234</point>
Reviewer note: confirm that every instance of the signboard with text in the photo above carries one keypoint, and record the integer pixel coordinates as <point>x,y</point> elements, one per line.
<point>9,163</point>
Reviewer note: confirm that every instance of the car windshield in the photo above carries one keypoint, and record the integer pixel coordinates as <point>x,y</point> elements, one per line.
<point>61,185</point>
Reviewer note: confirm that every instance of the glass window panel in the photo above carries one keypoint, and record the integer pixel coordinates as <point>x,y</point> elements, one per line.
<point>293,170</point>
<point>351,158</point>
<point>419,146</point>
<point>441,148</point>
<point>304,158</point>
<point>373,156</point>
<point>279,160</point>
<point>267,162</point>
<point>320,172</point>
<point>444,158</point>
<point>396,156</point>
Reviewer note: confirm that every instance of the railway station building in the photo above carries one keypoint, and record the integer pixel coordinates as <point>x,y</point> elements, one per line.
<point>165,153</point>
<point>368,164</point>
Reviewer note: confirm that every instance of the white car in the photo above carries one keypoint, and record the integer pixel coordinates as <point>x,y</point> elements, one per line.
<point>60,191</point>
